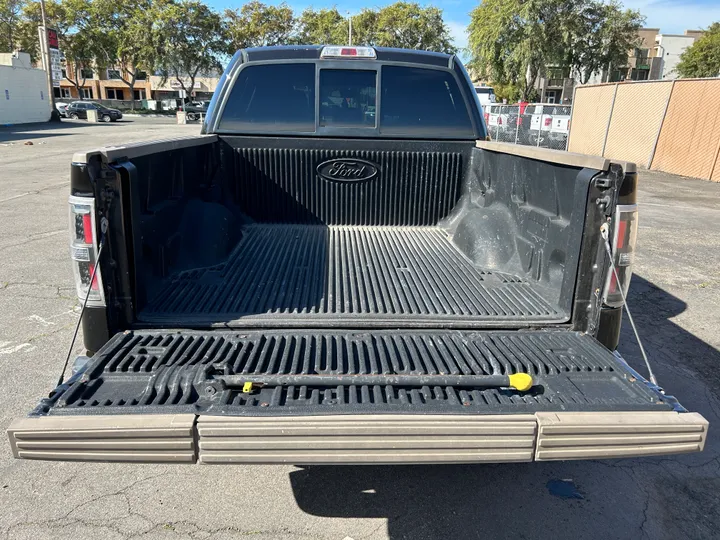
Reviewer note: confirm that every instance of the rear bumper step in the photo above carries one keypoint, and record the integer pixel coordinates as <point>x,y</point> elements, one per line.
<point>354,439</point>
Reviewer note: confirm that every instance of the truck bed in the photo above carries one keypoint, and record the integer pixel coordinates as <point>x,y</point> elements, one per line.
<point>296,274</point>
<point>446,237</point>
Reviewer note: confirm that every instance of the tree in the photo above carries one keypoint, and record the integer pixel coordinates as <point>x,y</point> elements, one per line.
<point>702,58</point>
<point>599,37</point>
<point>259,25</point>
<point>123,33</point>
<point>78,41</point>
<point>26,35</point>
<point>71,19</point>
<point>324,27</point>
<point>365,27</point>
<point>10,14</point>
<point>187,39</point>
<point>409,26</point>
<point>514,41</point>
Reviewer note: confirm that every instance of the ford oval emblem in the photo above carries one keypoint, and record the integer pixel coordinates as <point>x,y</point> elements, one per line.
<point>347,170</point>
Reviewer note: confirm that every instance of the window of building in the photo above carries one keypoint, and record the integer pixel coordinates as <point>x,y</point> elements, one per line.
<point>141,76</point>
<point>139,94</point>
<point>86,93</point>
<point>87,73</point>
<point>114,93</point>
<point>65,92</point>
<point>64,73</point>
<point>114,74</point>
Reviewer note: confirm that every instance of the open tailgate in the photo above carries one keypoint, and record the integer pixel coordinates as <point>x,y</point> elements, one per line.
<point>354,397</point>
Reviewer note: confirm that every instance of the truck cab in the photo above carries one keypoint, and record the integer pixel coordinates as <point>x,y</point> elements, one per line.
<point>342,269</point>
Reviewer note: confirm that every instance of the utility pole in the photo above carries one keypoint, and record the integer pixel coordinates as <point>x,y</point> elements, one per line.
<point>45,46</point>
<point>349,28</point>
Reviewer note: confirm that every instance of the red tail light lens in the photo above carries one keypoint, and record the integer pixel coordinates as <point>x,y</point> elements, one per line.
<point>624,241</point>
<point>87,228</point>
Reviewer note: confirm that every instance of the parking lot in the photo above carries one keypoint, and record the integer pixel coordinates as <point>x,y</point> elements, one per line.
<point>675,297</point>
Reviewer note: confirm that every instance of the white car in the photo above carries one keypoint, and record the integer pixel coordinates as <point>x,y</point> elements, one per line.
<point>62,109</point>
<point>486,95</point>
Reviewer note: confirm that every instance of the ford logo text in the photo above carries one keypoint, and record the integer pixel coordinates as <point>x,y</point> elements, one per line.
<point>347,170</point>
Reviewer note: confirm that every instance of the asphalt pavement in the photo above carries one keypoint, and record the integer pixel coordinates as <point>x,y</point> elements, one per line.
<point>675,297</point>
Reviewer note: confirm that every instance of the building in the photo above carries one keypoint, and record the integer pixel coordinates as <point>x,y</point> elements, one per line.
<point>667,52</point>
<point>108,84</point>
<point>655,57</point>
<point>171,89</point>
<point>555,86</point>
<point>640,58</point>
<point>105,83</point>
<point>23,90</point>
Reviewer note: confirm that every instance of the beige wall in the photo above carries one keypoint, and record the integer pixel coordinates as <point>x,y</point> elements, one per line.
<point>590,114</point>
<point>637,115</point>
<point>691,131</point>
<point>682,116</point>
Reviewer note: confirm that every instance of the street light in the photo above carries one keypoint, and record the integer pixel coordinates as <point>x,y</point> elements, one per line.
<point>54,115</point>
<point>349,28</point>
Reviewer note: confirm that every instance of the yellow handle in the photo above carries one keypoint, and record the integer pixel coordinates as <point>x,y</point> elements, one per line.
<point>521,381</point>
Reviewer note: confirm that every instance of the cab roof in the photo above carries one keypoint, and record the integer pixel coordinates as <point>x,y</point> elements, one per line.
<point>309,52</point>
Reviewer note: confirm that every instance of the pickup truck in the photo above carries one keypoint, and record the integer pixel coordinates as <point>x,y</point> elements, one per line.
<point>342,268</point>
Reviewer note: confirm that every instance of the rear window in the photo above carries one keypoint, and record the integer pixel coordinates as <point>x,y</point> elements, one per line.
<point>347,98</point>
<point>390,100</point>
<point>274,97</point>
<point>418,101</point>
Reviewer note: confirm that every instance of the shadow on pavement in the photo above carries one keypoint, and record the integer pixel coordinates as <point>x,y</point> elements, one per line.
<point>24,132</point>
<point>673,497</point>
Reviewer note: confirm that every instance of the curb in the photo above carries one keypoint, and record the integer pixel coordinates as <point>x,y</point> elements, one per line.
<point>131,115</point>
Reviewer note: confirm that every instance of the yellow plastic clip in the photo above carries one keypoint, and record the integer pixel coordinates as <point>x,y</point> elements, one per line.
<point>521,381</point>
<point>247,387</point>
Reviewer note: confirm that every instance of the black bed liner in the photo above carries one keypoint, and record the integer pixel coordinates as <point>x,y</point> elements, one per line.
<point>303,275</point>
<point>178,372</point>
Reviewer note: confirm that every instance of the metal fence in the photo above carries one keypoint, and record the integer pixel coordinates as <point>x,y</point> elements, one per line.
<point>544,125</point>
<point>671,126</point>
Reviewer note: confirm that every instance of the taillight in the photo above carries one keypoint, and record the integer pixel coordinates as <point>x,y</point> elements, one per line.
<point>623,248</point>
<point>548,121</point>
<point>348,52</point>
<point>487,118</point>
<point>84,250</point>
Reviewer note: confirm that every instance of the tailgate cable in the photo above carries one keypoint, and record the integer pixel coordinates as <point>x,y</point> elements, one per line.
<point>604,232</point>
<point>103,230</point>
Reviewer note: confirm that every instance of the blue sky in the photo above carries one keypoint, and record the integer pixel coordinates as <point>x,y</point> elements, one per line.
<point>671,16</point>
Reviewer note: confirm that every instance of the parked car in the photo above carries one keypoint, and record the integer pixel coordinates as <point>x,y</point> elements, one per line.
<point>79,109</point>
<point>287,287</point>
<point>62,109</point>
<point>551,124</point>
<point>485,94</point>
<point>196,109</point>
